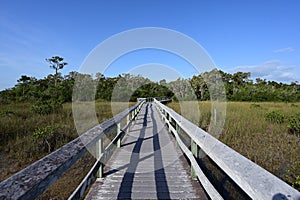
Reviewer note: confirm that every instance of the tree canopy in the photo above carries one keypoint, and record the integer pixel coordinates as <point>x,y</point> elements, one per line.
<point>126,87</point>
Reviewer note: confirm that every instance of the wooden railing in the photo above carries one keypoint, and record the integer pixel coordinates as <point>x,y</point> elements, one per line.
<point>255,181</point>
<point>36,178</point>
<point>160,99</point>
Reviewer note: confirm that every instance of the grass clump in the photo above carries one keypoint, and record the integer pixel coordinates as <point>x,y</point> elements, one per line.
<point>292,175</point>
<point>46,107</point>
<point>275,117</point>
<point>254,105</point>
<point>294,124</point>
<point>4,113</point>
<point>45,137</point>
<point>246,130</point>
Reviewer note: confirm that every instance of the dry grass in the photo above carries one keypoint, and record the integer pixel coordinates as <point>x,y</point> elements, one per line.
<point>18,150</point>
<point>246,131</point>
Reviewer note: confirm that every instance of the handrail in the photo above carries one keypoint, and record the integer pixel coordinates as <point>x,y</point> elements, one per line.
<point>255,181</point>
<point>163,99</point>
<point>37,177</point>
<point>97,169</point>
<point>209,188</point>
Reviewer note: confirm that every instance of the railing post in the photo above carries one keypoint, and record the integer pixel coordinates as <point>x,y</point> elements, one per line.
<point>177,130</point>
<point>194,150</point>
<point>128,119</point>
<point>166,115</point>
<point>118,131</point>
<point>99,151</point>
<point>132,115</point>
<point>140,106</point>
<point>170,122</point>
<point>161,111</point>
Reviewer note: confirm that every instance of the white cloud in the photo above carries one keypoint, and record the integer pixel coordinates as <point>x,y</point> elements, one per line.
<point>270,70</point>
<point>287,49</point>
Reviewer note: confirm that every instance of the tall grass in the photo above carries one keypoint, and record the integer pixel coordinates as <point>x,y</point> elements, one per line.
<point>18,148</point>
<point>246,130</point>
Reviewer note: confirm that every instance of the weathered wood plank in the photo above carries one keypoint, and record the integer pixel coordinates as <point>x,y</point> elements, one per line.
<point>103,158</point>
<point>36,178</point>
<point>147,166</point>
<point>251,178</point>
<point>209,188</point>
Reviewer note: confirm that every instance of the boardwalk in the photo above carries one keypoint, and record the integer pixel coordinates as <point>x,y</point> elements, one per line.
<point>147,166</point>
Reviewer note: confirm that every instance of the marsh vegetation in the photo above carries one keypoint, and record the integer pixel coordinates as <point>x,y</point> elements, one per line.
<point>266,133</point>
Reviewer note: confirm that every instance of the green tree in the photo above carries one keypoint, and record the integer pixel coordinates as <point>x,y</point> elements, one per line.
<point>23,83</point>
<point>56,63</point>
<point>241,77</point>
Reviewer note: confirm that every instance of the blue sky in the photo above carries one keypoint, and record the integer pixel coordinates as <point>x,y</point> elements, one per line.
<point>257,36</point>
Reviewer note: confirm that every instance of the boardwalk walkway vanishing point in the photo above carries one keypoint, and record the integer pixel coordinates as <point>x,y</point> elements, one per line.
<point>147,166</point>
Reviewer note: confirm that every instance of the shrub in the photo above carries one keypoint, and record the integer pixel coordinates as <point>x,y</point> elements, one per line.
<point>46,136</point>
<point>46,107</point>
<point>294,124</point>
<point>275,117</point>
<point>7,113</point>
<point>292,175</point>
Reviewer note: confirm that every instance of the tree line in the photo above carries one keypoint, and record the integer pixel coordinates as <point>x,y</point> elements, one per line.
<point>59,89</point>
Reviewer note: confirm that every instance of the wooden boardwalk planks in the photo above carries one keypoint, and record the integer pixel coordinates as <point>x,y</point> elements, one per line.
<point>147,166</point>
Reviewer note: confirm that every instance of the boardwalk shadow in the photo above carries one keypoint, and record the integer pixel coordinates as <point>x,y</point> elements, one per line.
<point>115,170</point>
<point>134,142</point>
<point>127,181</point>
<point>126,187</point>
<point>162,190</point>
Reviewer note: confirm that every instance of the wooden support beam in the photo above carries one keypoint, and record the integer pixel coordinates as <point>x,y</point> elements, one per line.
<point>99,151</point>
<point>118,131</point>
<point>177,130</point>
<point>194,150</point>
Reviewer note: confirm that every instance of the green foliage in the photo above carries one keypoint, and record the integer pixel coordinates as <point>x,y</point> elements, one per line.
<point>278,118</point>
<point>294,124</point>
<point>43,132</point>
<point>151,90</point>
<point>46,136</point>
<point>46,107</point>
<point>246,131</point>
<point>292,175</point>
<point>238,87</point>
<point>275,117</point>
<point>4,113</point>
<point>56,63</point>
